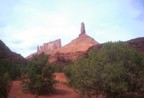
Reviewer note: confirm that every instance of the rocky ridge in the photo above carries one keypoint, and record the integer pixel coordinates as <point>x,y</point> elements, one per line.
<point>7,54</point>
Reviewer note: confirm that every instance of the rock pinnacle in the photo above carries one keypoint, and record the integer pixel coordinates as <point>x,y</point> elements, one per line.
<point>82,29</point>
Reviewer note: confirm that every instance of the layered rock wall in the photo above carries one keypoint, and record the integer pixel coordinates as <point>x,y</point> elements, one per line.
<point>49,46</point>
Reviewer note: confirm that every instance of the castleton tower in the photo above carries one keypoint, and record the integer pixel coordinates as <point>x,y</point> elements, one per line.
<point>82,29</point>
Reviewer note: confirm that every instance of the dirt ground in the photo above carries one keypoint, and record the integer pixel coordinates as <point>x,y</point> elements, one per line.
<point>62,91</point>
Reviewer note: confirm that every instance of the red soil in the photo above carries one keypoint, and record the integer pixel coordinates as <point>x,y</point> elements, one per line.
<point>62,91</point>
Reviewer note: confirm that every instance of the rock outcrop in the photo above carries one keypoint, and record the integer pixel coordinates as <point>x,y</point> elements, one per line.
<point>76,48</point>
<point>49,46</point>
<point>82,29</point>
<point>80,46</point>
<point>7,54</point>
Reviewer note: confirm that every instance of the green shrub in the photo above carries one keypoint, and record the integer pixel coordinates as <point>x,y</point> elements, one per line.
<point>5,84</point>
<point>8,71</point>
<point>40,77</point>
<point>115,71</point>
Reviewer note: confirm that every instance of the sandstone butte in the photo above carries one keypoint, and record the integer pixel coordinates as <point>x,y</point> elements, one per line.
<point>81,44</point>
<point>71,51</point>
<point>78,47</point>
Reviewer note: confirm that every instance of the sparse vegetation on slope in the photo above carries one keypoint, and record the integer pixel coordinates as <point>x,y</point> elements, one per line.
<point>115,71</point>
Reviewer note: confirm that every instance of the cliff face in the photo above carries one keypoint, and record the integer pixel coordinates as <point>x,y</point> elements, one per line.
<point>7,54</point>
<point>49,46</point>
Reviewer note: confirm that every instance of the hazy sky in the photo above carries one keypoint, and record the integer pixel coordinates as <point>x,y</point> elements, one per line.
<point>24,24</point>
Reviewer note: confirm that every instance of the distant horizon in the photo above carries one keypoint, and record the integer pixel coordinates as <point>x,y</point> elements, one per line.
<point>25,24</point>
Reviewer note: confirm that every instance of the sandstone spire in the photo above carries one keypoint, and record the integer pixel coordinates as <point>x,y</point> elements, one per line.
<point>82,29</point>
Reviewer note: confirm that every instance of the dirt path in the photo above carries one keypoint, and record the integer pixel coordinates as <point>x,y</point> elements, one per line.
<point>62,91</point>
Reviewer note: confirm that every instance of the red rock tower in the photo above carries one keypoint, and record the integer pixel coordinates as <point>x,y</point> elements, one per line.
<point>82,29</point>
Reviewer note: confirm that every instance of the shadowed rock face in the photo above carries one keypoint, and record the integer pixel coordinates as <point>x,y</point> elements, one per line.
<point>3,49</point>
<point>65,58</point>
<point>7,54</point>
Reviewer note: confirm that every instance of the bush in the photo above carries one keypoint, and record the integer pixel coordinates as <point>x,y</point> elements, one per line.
<point>40,77</point>
<point>8,72</point>
<point>10,67</point>
<point>115,71</point>
<point>5,84</point>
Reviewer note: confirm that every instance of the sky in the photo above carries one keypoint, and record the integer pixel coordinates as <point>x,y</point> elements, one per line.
<point>25,24</point>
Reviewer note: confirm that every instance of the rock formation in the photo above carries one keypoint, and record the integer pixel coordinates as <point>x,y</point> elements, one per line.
<point>80,44</point>
<point>76,48</point>
<point>49,46</point>
<point>7,54</point>
<point>79,47</point>
<point>82,29</point>
<point>63,56</point>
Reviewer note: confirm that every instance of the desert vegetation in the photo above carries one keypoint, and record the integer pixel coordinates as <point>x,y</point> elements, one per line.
<point>8,71</point>
<point>114,71</point>
<point>38,77</point>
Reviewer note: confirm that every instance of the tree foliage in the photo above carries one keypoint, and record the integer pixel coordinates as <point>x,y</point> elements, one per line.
<point>8,71</point>
<point>40,77</point>
<point>115,71</point>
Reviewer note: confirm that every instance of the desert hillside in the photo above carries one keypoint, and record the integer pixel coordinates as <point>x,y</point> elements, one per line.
<point>7,54</point>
